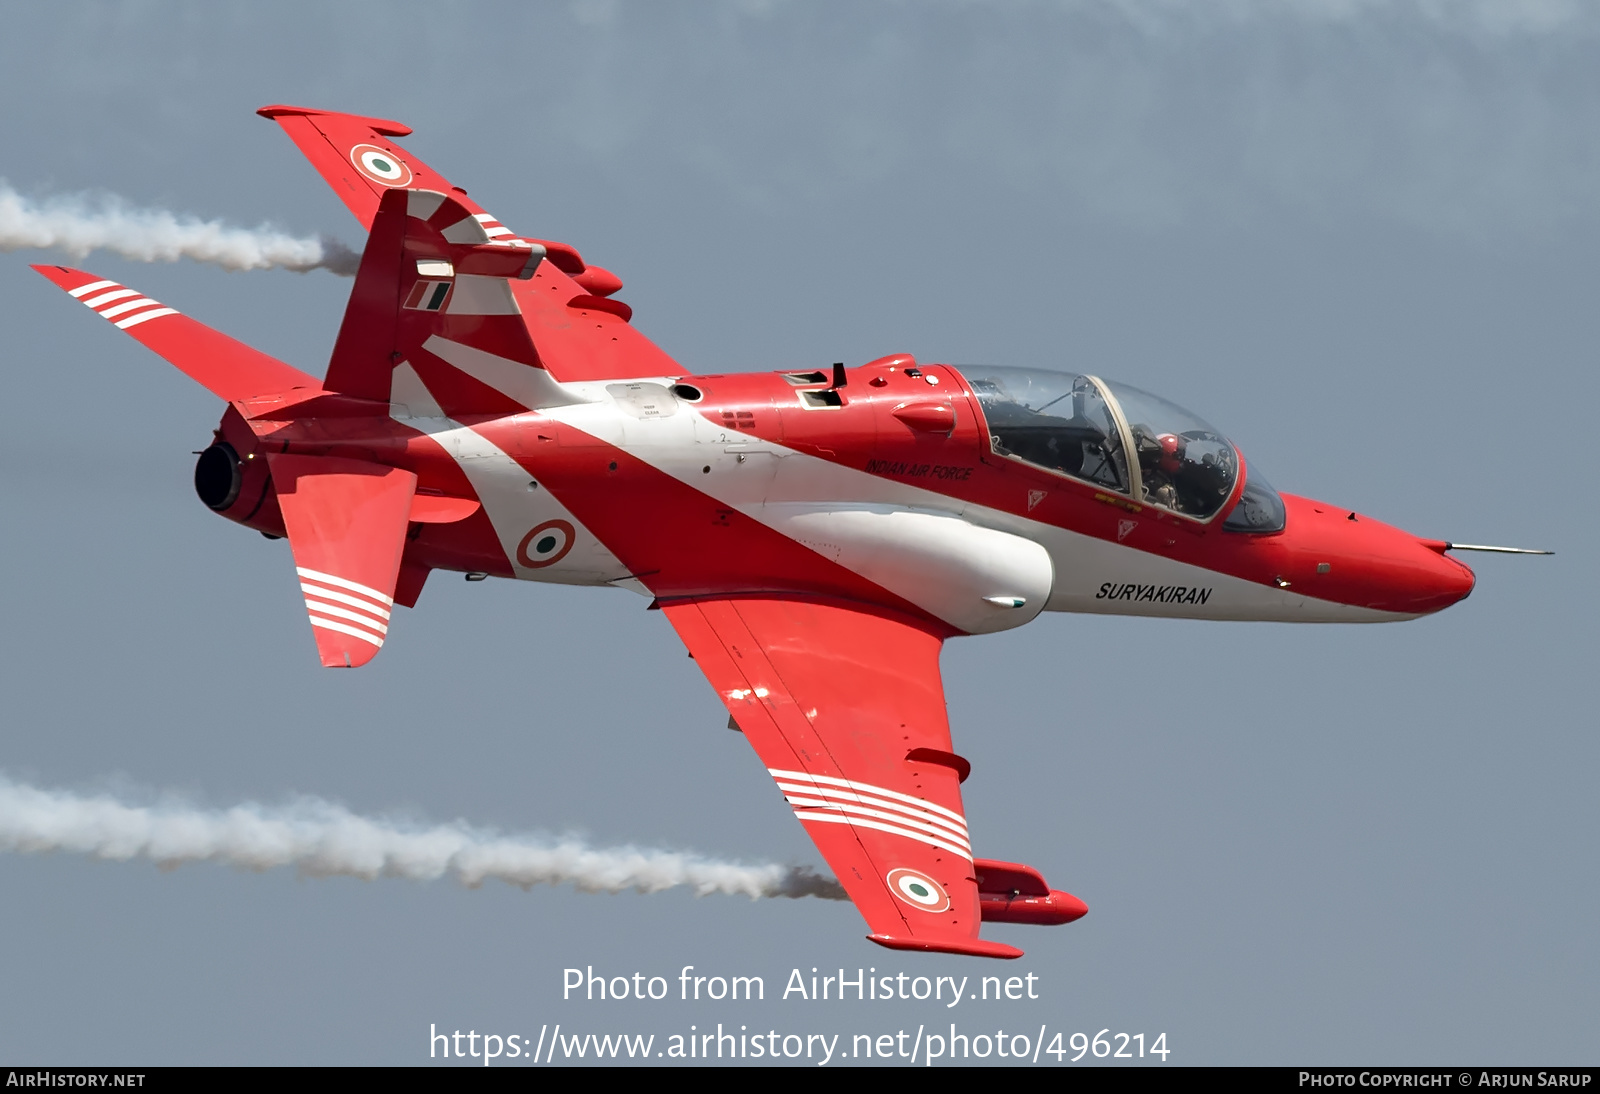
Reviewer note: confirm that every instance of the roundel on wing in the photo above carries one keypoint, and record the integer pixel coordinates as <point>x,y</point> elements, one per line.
<point>380,165</point>
<point>918,890</point>
<point>546,545</point>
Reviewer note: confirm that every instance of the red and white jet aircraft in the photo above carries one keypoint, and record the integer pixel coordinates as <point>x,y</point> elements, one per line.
<point>814,537</point>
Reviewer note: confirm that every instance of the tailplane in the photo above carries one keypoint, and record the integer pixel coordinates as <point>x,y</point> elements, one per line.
<point>224,366</point>
<point>346,521</point>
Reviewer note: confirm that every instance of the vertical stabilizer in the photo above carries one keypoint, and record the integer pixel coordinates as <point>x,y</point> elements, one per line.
<point>433,289</point>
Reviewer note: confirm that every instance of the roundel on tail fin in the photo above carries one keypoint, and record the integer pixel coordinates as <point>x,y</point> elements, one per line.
<point>381,165</point>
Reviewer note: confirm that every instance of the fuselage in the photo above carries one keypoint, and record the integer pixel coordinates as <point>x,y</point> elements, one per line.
<point>893,488</point>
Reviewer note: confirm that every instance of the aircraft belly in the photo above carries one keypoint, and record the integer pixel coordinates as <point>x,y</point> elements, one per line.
<point>1103,578</point>
<point>524,516</point>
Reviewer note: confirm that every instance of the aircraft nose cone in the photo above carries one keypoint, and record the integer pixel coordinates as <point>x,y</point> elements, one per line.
<point>1070,906</point>
<point>1444,580</point>
<point>1335,554</point>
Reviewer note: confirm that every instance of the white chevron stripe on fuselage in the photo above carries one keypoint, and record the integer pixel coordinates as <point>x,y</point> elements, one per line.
<point>771,484</point>
<point>502,486</point>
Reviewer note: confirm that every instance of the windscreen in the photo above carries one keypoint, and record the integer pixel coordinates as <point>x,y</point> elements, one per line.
<point>1260,509</point>
<point>1185,464</point>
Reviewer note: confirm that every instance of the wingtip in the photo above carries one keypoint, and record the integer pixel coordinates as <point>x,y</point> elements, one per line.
<point>63,277</point>
<point>386,126</point>
<point>970,947</point>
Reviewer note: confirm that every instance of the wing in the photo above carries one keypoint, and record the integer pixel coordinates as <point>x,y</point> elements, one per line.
<point>581,333</point>
<point>844,705</point>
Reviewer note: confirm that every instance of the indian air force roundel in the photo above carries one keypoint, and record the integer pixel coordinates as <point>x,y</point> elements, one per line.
<point>919,890</point>
<point>380,165</point>
<point>546,544</point>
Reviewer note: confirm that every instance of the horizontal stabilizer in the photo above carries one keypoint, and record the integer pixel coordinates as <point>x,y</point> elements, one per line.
<point>346,521</point>
<point>224,366</point>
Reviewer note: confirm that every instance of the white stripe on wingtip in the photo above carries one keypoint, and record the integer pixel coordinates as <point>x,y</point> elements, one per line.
<point>343,598</point>
<point>345,613</point>
<point>343,583</point>
<point>823,796</point>
<point>862,822</point>
<point>956,828</point>
<point>135,320</point>
<point>84,290</point>
<point>131,305</point>
<point>866,788</point>
<point>108,297</point>
<point>354,632</point>
<point>800,803</point>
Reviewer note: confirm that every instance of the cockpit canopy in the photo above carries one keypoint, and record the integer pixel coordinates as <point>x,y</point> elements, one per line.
<point>1121,439</point>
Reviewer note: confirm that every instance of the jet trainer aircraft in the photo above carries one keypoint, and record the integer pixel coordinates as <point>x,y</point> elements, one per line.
<point>814,537</point>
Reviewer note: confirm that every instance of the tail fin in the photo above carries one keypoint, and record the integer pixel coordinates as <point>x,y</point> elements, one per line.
<point>583,333</point>
<point>346,521</point>
<point>354,155</point>
<point>224,366</point>
<point>433,290</point>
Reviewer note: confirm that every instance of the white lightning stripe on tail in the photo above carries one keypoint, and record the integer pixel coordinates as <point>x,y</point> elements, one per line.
<point>920,815</point>
<point>492,226</point>
<point>84,290</point>
<point>854,811</point>
<point>354,632</point>
<point>135,320</point>
<point>345,613</point>
<point>132,305</point>
<point>345,583</point>
<point>108,297</point>
<point>862,822</point>
<point>867,788</point>
<point>343,598</point>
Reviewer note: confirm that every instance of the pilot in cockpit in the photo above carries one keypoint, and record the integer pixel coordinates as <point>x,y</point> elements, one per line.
<point>1177,475</point>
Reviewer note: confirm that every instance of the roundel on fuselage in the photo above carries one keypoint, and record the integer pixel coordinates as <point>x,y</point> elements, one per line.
<point>546,544</point>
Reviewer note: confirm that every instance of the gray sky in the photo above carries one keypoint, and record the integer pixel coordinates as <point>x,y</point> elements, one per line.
<point>1358,236</point>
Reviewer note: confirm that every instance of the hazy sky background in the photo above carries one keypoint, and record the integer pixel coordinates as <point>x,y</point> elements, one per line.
<point>1361,237</point>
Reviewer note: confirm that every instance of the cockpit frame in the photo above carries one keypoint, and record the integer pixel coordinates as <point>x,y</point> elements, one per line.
<point>1136,492</point>
<point>1129,456</point>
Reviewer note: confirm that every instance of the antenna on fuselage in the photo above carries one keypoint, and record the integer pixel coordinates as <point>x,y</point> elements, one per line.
<point>838,375</point>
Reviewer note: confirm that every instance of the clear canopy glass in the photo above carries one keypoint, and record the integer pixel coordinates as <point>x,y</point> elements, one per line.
<point>1056,420</point>
<point>1184,464</point>
<point>1112,435</point>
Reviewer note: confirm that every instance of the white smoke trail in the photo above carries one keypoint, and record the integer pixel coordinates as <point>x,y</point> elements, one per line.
<point>78,224</point>
<point>322,839</point>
